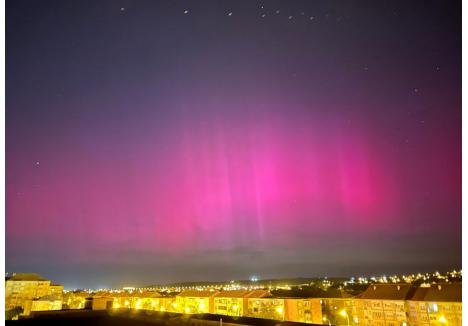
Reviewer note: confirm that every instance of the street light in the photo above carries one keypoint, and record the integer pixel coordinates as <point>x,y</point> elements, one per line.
<point>202,306</point>
<point>326,319</point>
<point>280,311</point>
<point>344,313</point>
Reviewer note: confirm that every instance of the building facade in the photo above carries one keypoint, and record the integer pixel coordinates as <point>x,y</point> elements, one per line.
<point>269,308</point>
<point>22,289</point>
<point>230,303</point>
<point>303,310</point>
<point>435,305</point>
<point>46,303</point>
<point>195,302</point>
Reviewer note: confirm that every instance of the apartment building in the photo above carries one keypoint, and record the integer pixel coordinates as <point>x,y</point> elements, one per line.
<point>195,302</point>
<point>22,289</point>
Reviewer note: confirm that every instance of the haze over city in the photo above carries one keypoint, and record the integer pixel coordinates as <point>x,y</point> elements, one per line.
<point>163,141</point>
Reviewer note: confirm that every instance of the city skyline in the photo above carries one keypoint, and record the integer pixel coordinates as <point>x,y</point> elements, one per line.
<point>157,141</point>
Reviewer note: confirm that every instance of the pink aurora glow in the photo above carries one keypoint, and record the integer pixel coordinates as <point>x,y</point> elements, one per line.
<point>216,182</point>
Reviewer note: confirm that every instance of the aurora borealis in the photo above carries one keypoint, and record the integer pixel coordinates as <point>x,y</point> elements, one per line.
<point>154,141</point>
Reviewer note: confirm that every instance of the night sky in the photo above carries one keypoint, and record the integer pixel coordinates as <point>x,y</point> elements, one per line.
<point>157,141</point>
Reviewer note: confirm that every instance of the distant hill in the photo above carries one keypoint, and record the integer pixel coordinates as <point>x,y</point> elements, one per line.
<point>261,282</point>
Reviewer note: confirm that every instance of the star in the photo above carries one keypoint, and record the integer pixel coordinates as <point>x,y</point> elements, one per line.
<point>38,163</point>
<point>263,15</point>
<point>277,12</point>
<point>290,17</point>
<point>311,17</point>
<point>416,90</point>
<point>229,14</point>
<point>186,12</point>
<point>122,9</point>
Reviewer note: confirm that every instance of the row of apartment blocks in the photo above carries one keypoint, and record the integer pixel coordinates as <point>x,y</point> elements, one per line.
<point>380,304</point>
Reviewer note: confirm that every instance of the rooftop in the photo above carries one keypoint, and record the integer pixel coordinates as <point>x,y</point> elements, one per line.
<point>232,294</point>
<point>451,292</point>
<point>195,293</point>
<point>244,294</point>
<point>50,297</point>
<point>387,292</point>
<point>26,277</point>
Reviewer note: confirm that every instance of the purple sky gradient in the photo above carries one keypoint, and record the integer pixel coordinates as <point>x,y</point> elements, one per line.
<point>148,145</point>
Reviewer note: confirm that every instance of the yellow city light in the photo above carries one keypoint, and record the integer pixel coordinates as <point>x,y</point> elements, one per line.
<point>279,310</point>
<point>343,313</point>
<point>324,318</point>
<point>235,307</point>
<point>201,306</point>
<point>187,310</point>
<point>163,309</point>
<point>443,320</point>
<point>116,305</point>
<point>356,320</point>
